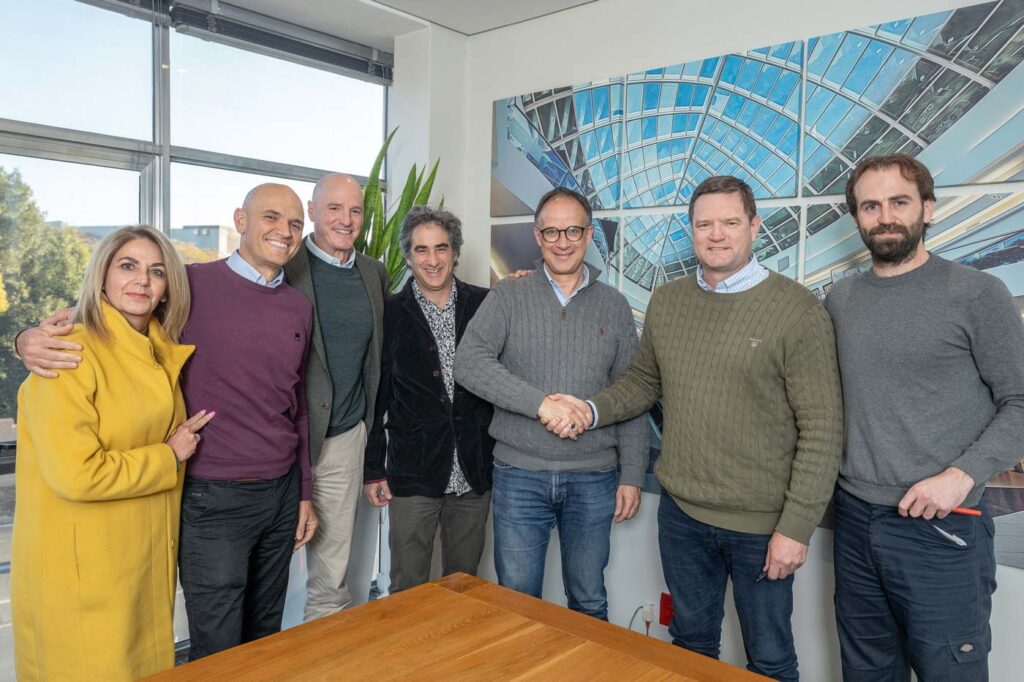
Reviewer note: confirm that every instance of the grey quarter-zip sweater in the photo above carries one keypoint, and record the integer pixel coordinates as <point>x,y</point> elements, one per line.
<point>523,345</point>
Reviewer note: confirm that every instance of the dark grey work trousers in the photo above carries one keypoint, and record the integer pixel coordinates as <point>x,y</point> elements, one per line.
<point>414,521</point>
<point>236,546</point>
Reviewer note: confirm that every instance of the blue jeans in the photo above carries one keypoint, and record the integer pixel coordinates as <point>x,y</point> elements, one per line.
<point>912,593</point>
<point>697,560</point>
<point>528,504</point>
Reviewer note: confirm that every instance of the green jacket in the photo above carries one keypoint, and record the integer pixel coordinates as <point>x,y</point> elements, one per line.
<point>319,389</point>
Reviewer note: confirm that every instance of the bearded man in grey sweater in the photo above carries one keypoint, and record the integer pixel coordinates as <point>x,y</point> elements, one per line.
<point>557,330</point>
<point>932,361</point>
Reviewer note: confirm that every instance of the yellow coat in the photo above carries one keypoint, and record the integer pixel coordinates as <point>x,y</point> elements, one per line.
<point>96,520</point>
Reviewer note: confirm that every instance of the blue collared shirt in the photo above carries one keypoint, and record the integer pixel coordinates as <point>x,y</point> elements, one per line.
<point>562,298</point>
<point>328,258</point>
<point>752,274</point>
<point>242,267</point>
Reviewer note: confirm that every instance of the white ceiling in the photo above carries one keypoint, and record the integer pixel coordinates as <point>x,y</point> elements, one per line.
<point>476,16</point>
<point>376,23</point>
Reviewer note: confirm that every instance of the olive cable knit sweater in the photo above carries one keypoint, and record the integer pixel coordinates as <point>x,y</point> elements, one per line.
<point>753,415</point>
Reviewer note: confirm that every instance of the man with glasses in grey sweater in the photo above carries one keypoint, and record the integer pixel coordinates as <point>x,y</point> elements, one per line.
<point>557,330</point>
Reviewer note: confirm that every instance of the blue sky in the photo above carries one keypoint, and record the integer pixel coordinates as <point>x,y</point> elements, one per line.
<point>68,64</point>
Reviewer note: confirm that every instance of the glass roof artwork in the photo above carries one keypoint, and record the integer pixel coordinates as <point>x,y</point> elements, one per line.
<point>791,119</point>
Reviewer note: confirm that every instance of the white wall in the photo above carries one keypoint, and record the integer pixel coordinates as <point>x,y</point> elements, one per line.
<point>596,41</point>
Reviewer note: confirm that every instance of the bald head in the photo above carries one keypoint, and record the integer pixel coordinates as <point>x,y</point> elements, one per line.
<point>336,210</point>
<point>335,182</point>
<point>270,222</point>
<point>270,190</point>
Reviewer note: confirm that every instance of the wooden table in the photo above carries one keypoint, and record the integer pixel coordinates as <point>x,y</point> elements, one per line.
<point>459,627</point>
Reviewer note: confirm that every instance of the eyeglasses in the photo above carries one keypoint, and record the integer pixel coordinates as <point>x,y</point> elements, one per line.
<point>552,234</point>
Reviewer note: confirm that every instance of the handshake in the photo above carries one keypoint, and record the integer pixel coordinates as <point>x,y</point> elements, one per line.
<point>565,416</point>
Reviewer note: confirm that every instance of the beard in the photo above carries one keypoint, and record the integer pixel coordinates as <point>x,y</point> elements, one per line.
<point>894,251</point>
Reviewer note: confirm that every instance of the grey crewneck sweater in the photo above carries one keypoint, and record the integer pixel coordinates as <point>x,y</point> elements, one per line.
<point>932,364</point>
<point>522,345</point>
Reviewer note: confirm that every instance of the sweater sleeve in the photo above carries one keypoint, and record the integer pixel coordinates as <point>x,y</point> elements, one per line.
<point>632,434</point>
<point>301,420</point>
<point>813,393</point>
<point>477,367</point>
<point>63,426</point>
<point>639,386</point>
<point>997,344</point>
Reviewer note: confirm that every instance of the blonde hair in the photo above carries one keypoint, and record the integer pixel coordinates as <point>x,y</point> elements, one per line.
<point>171,312</point>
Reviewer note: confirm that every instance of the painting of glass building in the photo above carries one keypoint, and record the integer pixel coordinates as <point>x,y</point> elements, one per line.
<point>792,120</point>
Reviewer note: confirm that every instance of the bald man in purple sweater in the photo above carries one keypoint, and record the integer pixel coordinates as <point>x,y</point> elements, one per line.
<point>247,503</point>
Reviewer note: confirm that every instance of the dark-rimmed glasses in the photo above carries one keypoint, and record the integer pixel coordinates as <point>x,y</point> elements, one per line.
<point>552,234</point>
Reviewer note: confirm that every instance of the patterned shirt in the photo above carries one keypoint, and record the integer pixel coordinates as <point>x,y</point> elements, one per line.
<point>752,274</point>
<point>442,326</point>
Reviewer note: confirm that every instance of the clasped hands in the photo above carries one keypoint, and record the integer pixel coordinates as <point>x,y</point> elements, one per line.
<point>565,416</point>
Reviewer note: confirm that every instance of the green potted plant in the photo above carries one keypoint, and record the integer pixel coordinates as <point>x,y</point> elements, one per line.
<point>379,238</point>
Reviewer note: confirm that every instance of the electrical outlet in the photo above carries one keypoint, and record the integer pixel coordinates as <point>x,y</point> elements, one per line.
<point>649,612</point>
<point>665,616</point>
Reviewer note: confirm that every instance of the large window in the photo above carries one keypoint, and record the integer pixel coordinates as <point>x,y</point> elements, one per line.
<point>74,66</point>
<point>111,118</point>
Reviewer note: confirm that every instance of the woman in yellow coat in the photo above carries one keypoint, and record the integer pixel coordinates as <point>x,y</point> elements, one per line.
<point>99,475</point>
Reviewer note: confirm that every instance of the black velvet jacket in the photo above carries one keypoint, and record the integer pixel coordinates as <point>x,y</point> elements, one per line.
<point>423,425</point>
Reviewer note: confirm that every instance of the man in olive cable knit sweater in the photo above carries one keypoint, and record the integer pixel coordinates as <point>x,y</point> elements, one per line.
<point>745,363</point>
<point>556,330</point>
<point>932,360</point>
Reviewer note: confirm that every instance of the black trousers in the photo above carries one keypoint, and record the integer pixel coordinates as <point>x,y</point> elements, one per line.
<point>236,545</point>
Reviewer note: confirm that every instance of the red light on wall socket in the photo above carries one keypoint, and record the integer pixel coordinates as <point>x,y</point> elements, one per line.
<point>665,613</point>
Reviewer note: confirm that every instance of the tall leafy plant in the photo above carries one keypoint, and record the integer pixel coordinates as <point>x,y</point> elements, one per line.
<point>379,238</point>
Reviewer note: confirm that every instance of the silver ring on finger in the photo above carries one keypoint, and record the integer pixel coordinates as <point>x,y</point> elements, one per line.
<point>198,437</point>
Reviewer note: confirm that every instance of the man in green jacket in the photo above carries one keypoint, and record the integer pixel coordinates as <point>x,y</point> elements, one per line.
<point>745,362</point>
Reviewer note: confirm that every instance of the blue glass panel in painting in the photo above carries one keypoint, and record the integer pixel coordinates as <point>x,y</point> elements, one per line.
<point>584,112</point>
<point>678,123</point>
<point>604,139</point>
<point>616,99</point>
<point>824,50</point>
<point>600,103</point>
<point>784,87</point>
<point>790,141</point>
<point>611,167</point>
<point>589,142</point>
<point>924,30</point>
<point>684,95</point>
<point>763,121</point>
<point>652,92</point>
<point>891,73</point>
<point>664,125</point>
<point>700,95</point>
<point>731,69</point>
<point>749,113</point>
<point>850,51</point>
<point>764,84</point>
<point>748,74</point>
<point>777,131</point>
<point>650,127</point>
<point>816,103</point>
<point>873,58</point>
<point>708,66</point>
<point>668,95</point>
<point>633,132</point>
<point>833,113</point>
<point>893,30</point>
<point>850,124</point>
<point>634,97</point>
<point>732,108</point>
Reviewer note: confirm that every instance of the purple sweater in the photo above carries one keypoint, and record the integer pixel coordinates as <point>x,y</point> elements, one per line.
<point>251,344</point>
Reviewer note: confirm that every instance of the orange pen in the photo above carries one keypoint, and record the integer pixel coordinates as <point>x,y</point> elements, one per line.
<point>967,511</point>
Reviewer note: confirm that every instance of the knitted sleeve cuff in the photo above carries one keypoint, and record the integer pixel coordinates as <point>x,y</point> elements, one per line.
<point>795,527</point>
